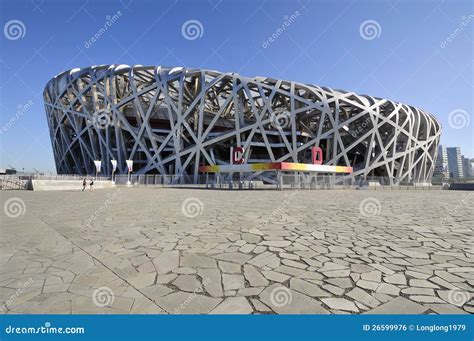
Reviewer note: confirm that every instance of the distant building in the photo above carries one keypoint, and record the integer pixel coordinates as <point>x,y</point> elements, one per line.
<point>455,162</point>
<point>466,167</point>
<point>441,167</point>
<point>8,171</point>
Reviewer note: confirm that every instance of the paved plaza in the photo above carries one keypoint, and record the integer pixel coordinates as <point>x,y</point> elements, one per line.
<point>194,251</point>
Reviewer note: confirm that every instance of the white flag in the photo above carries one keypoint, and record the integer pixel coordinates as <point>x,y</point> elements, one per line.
<point>129,165</point>
<point>97,164</point>
<point>114,165</point>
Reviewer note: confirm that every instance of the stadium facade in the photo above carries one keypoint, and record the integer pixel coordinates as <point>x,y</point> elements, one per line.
<point>173,120</point>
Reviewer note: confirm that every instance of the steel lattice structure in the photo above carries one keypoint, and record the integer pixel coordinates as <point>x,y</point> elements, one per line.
<point>173,120</point>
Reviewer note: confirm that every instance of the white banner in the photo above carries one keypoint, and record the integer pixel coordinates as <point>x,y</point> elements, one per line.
<point>97,164</point>
<point>114,165</point>
<point>129,165</point>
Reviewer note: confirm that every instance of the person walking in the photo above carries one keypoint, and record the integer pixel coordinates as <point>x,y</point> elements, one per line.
<point>84,184</point>
<point>92,183</point>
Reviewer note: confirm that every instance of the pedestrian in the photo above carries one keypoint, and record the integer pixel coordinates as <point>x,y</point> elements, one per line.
<point>84,184</point>
<point>91,183</point>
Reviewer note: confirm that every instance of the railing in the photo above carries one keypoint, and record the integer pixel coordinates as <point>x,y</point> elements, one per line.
<point>329,181</point>
<point>297,180</point>
<point>23,182</point>
<point>13,184</point>
<point>160,180</point>
<point>284,181</point>
<point>440,181</point>
<point>54,177</point>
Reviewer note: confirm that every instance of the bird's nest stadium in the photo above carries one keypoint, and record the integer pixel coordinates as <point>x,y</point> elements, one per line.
<point>173,121</point>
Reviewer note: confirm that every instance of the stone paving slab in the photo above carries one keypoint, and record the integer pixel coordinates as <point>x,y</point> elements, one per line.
<point>174,251</point>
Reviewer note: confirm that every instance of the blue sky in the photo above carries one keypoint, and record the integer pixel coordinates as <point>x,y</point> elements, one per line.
<point>421,53</point>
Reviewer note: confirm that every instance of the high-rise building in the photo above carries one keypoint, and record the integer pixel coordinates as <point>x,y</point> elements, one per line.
<point>455,162</point>
<point>441,167</point>
<point>466,167</point>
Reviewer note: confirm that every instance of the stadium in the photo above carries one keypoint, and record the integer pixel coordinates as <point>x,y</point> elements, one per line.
<point>174,121</point>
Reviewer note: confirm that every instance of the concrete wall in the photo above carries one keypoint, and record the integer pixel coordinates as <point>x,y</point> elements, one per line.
<point>67,185</point>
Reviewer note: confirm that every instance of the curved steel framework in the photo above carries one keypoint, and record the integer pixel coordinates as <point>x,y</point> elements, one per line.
<point>173,120</point>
